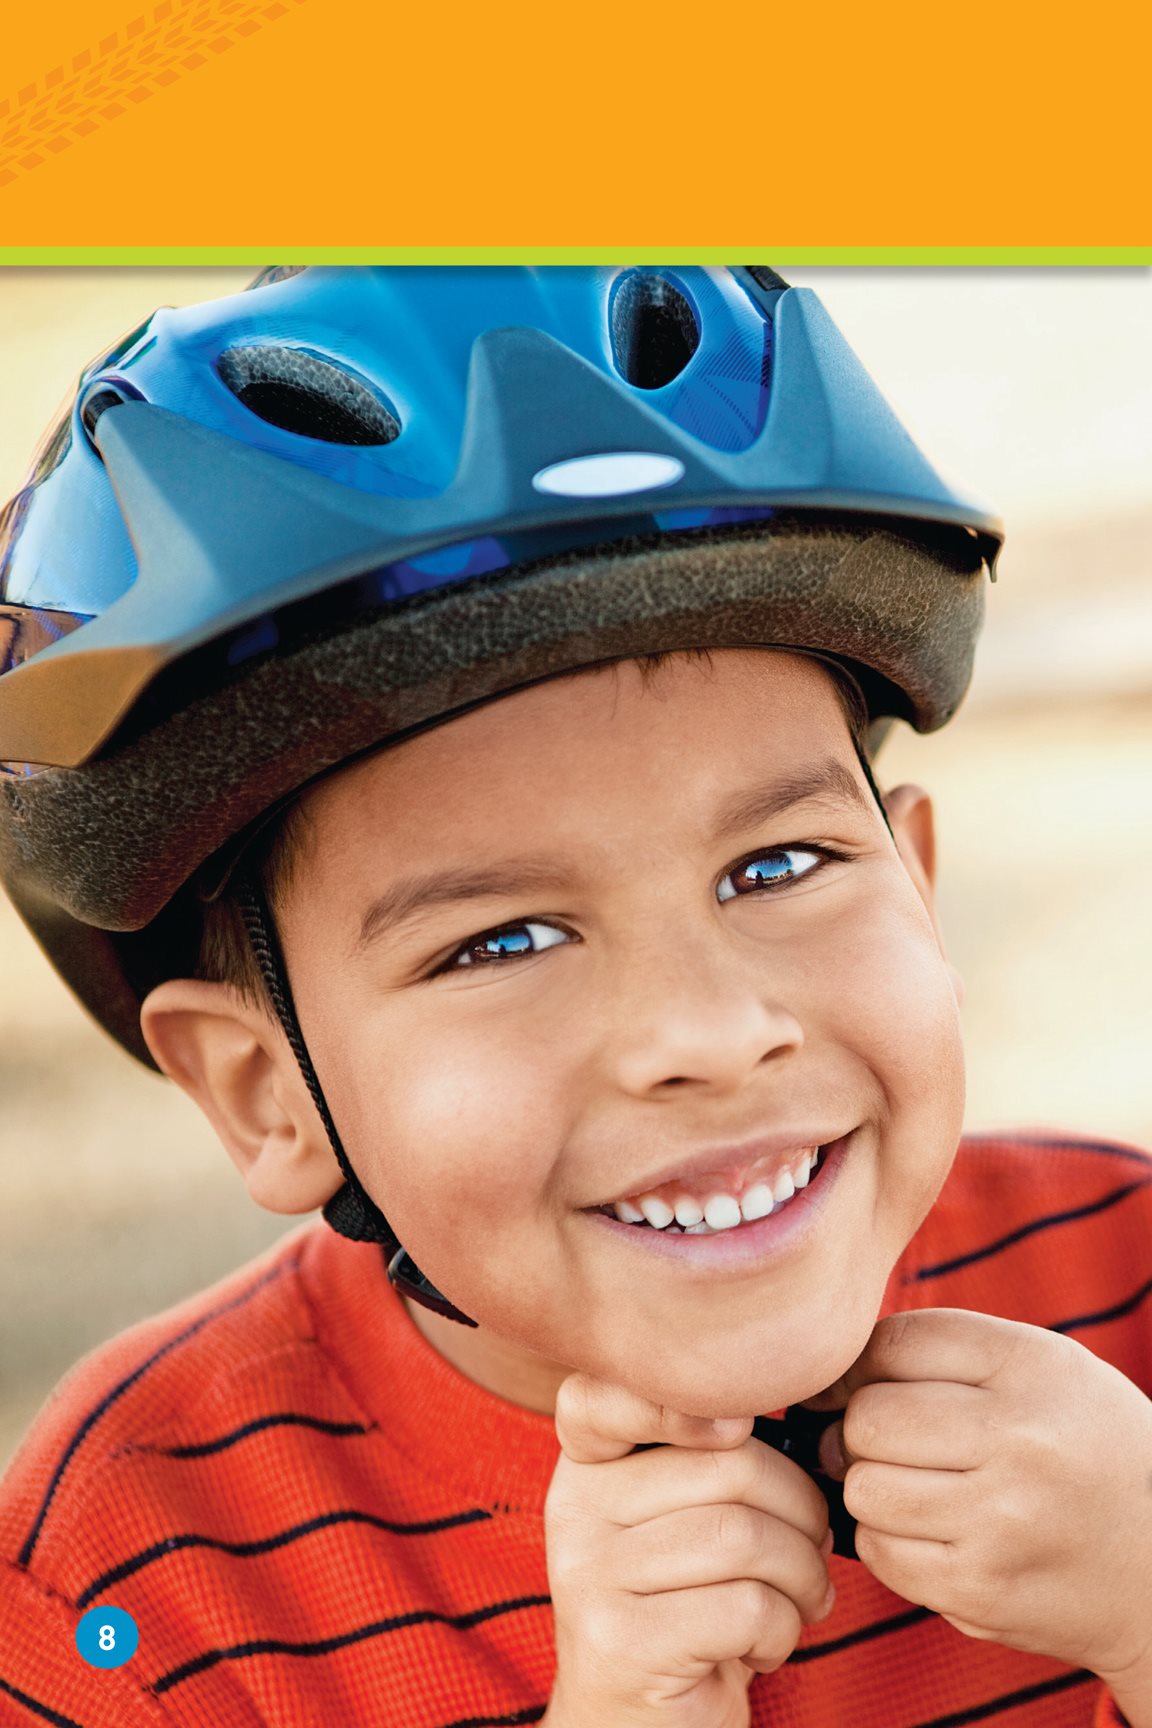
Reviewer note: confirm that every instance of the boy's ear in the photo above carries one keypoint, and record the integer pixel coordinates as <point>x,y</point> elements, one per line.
<point>235,1063</point>
<point>914,830</point>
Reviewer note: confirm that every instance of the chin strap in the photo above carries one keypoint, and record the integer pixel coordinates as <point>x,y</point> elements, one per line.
<point>868,775</point>
<point>351,1211</point>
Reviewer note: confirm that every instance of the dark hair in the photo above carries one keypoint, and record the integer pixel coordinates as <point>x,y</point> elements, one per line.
<point>225,956</point>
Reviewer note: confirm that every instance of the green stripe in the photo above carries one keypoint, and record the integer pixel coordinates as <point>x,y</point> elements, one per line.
<point>780,256</point>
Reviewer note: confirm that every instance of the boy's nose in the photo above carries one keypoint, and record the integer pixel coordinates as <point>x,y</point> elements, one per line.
<point>710,1027</point>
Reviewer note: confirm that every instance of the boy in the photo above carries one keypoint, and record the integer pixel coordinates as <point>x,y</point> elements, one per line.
<point>483,832</point>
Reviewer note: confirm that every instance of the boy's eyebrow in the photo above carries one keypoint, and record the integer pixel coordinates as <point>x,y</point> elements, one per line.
<point>827,781</point>
<point>413,894</point>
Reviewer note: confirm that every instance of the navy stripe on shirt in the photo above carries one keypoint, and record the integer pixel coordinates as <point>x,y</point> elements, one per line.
<point>1011,1700</point>
<point>280,1418</point>
<point>325,1646</point>
<point>1103,1315</point>
<point>1047,1222</point>
<point>128,1382</point>
<point>977,1713</point>
<point>1044,1142</point>
<point>265,1545</point>
<point>862,1635</point>
<point>42,1710</point>
<point>531,1713</point>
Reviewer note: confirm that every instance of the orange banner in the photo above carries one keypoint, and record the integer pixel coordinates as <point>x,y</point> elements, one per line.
<point>275,124</point>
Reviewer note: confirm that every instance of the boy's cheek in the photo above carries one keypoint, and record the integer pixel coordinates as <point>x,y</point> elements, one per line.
<point>910,1003</point>
<point>451,1118</point>
<point>903,1033</point>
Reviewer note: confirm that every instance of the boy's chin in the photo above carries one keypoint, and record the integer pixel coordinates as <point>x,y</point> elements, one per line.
<point>723,1396</point>
<point>738,1385</point>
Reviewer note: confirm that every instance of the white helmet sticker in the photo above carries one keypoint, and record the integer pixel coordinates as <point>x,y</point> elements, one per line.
<point>608,475</point>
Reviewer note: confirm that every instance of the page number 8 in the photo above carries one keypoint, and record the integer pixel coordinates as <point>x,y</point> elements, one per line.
<point>107,1637</point>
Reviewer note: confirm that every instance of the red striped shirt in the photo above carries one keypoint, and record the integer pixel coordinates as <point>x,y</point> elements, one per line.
<point>315,1520</point>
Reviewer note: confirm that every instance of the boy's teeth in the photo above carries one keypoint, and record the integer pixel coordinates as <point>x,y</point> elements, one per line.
<point>627,1213</point>
<point>720,1211</point>
<point>655,1210</point>
<point>757,1203</point>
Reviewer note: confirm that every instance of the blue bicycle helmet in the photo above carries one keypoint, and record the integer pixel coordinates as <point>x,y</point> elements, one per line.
<point>278,530</point>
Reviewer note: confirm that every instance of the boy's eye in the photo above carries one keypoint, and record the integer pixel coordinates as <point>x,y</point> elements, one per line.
<point>762,872</point>
<point>507,943</point>
<point>765,870</point>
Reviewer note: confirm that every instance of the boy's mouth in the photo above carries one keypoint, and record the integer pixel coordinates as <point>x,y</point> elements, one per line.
<point>745,1243</point>
<point>697,1213</point>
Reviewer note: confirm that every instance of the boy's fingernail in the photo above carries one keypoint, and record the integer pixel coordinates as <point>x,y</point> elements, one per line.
<point>828,1603</point>
<point>728,1427</point>
<point>831,1452</point>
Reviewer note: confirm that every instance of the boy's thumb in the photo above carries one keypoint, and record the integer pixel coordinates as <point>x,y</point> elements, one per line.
<point>830,1451</point>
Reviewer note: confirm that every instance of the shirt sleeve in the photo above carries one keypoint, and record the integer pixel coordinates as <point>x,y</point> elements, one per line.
<point>43,1677</point>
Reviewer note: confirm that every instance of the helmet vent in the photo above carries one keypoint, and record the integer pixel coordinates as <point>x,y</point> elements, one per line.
<point>273,273</point>
<point>765,277</point>
<point>100,395</point>
<point>654,331</point>
<point>296,390</point>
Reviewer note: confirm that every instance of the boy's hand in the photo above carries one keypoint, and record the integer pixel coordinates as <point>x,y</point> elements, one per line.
<point>1001,1474</point>
<point>676,1573</point>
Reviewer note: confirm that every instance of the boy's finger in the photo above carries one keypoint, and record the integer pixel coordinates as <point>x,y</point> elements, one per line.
<point>637,1490</point>
<point>596,1421</point>
<point>955,1344</point>
<point>699,1545</point>
<point>928,1424</point>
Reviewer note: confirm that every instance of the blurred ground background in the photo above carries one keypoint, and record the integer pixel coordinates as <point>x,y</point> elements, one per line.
<point>1032,387</point>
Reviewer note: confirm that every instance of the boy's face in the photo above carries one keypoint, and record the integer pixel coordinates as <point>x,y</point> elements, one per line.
<point>656,1002</point>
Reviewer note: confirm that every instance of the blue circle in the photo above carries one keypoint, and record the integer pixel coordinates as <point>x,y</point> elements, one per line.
<point>107,1637</point>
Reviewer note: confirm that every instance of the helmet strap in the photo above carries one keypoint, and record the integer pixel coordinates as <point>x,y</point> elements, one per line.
<point>868,775</point>
<point>351,1211</point>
